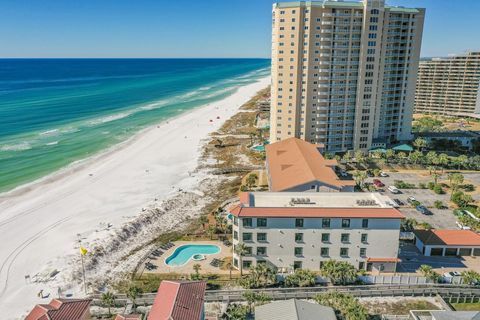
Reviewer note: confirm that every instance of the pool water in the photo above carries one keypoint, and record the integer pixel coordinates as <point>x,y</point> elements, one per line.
<point>184,253</point>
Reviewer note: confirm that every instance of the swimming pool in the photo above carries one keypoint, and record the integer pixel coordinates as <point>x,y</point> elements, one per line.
<point>184,253</point>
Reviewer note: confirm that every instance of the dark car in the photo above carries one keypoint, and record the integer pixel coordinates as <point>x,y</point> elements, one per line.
<point>398,202</point>
<point>423,210</point>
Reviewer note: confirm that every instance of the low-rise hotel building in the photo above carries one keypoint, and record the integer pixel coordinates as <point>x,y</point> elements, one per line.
<point>289,230</point>
<point>297,165</point>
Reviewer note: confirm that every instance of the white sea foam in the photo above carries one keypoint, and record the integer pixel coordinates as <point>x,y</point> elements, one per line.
<point>110,118</point>
<point>52,132</point>
<point>16,147</point>
<point>51,143</point>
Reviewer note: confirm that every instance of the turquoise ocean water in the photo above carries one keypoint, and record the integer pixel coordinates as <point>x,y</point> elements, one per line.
<point>56,111</point>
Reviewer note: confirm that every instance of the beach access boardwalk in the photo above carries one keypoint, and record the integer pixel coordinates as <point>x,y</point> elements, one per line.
<point>448,292</point>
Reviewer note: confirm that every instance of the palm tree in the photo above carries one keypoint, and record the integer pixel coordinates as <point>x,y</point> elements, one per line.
<point>443,160</point>
<point>359,157</point>
<point>211,230</point>
<point>344,303</point>
<point>241,250</point>
<point>359,177</point>
<point>389,154</point>
<point>470,277</point>
<point>203,220</point>
<point>108,299</point>
<point>456,179</point>
<point>339,272</point>
<point>428,272</point>
<point>229,266</point>
<point>415,156</point>
<point>251,179</point>
<point>133,293</point>
<point>462,160</point>
<point>196,268</point>
<point>431,158</point>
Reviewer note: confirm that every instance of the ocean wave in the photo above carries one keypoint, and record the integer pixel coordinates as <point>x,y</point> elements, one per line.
<point>51,143</point>
<point>52,132</point>
<point>110,118</point>
<point>22,146</point>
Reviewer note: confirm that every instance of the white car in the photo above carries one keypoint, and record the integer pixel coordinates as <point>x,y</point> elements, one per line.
<point>461,226</point>
<point>383,174</point>
<point>393,189</point>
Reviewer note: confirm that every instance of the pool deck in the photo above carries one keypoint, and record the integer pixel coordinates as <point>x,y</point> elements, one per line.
<point>187,268</point>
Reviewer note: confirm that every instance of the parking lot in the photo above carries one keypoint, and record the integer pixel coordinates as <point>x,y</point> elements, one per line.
<point>441,218</point>
<point>412,259</point>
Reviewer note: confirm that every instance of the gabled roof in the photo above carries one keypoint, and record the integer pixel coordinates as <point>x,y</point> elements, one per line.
<point>293,162</point>
<point>455,315</point>
<point>178,300</point>
<point>448,237</point>
<point>61,309</point>
<point>294,310</point>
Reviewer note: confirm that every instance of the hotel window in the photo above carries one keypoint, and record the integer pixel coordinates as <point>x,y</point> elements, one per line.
<point>248,251</point>
<point>345,223</point>
<point>261,222</point>
<point>324,252</point>
<point>298,251</point>
<point>247,222</point>
<point>363,252</point>
<point>247,264</point>
<point>345,237</point>
<point>235,221</point>
<point>365,223</point>
<point>343,252</point>
<point>298,237</point>
<point>261,237</point>
<point>326,223</point>
<point>261,251</point>
<point>297,265</point>
<point>247,236</point>
<point>325,237</point>
<point>299,223</point>
<point>364,238</point>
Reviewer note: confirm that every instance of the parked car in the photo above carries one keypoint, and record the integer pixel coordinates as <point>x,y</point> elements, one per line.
<point>411,199</point>
<point>370,174</point>
<point>423,210</point>
<point>398,202</point>
<point>393,189</point>
<point>461,226</point>
<point>378,183</point>
<point>383,174</point>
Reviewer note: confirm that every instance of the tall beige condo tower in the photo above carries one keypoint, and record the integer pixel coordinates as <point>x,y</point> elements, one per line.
<point>449,86</point>
<point>344,73</point>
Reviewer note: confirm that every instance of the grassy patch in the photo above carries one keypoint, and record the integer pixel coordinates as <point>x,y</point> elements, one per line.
<point>466,306</point>
<point>399,307</point>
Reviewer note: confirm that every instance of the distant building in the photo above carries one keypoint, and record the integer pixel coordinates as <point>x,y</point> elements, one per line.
<point>464,138</point>
<point>290,230</point>
<point>449,86</point>
<point>62,309</point>
<point>296,165</point>
<point>344,72</point>
<point>444,315</point>
<point>447,242</point>
<point>294,310</point>
<point>179,300</point>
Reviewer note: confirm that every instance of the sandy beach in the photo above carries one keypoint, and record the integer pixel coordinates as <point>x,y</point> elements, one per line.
<point>101,203</point>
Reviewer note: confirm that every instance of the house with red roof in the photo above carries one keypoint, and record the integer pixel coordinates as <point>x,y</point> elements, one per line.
<point>437,242</point>
<point>296,165</point>
<point>179,300</point>
<point>61,309</point>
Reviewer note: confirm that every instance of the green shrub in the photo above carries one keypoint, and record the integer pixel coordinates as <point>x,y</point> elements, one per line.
<point>431,185</point>
<point>438,204</point>
<point>403,185</point>
<point>438,189</point>
<point>422,185</point>
<point>415,203</point>
<point>468,187</point>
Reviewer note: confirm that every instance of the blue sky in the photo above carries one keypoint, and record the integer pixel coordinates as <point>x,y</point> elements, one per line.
<point>187,28</point>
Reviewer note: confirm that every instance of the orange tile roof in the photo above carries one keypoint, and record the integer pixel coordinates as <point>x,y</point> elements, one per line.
<point>178,300</point>
<point>61,309</point>
<point>287,212</point>
<point>293,162</point>
<point>448,237</point>
<point>383,260</point>
<point>128,317</point>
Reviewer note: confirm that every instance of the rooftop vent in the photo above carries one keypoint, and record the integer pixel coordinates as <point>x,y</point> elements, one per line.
<point>364,203</point>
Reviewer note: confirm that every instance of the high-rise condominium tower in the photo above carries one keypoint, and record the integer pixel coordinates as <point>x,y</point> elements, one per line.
<point>344,73</point>
<point>449,86</point>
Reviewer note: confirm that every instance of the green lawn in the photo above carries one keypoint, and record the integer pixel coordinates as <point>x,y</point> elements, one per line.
<point>466,306</point>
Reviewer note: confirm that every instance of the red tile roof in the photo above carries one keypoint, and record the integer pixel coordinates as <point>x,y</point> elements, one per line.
<point>177,300</point>
<point>61,309</point>
<point>287,212</point>
<point>293,162</point>
<point>448,237</point>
